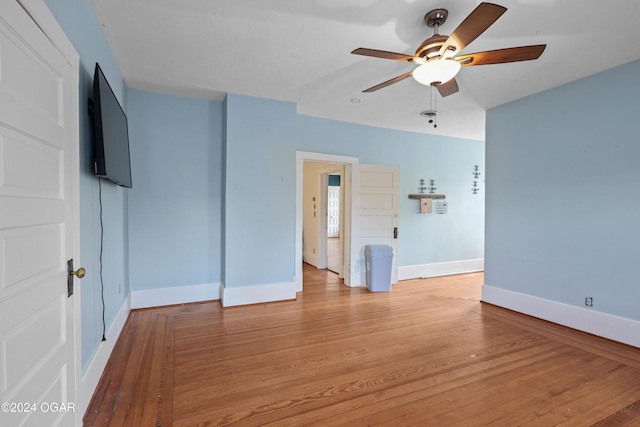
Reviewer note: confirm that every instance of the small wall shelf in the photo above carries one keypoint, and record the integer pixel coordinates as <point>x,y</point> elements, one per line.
<point>426,202</point>
<point>426,196</point>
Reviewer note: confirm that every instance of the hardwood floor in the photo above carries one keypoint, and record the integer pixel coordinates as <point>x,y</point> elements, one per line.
<point>428,353</point>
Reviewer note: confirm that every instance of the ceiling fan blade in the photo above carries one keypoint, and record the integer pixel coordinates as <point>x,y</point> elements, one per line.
<point>383,54</point>
<point>501,56</point>
<point>389,82</point>
<point>475,24</point>
<point>448,88</point>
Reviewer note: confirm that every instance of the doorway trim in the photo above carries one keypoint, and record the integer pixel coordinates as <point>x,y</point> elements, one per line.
<point>348,162</point>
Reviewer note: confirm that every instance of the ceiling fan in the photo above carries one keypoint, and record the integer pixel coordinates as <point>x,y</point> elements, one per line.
<point>438,57</point>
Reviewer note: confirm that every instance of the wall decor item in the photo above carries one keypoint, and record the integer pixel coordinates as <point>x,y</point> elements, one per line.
<point>432,187</point>
<point>426,205</point>
<point>421,187</point>
<point>441,206</point>
<point>476,175</point>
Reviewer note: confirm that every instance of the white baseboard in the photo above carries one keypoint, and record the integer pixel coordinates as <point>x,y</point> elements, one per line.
<point>175,295</point>
<point>91,376</point>
<point>255,294</point>
<point>440,269</point>
<point>605,325</point>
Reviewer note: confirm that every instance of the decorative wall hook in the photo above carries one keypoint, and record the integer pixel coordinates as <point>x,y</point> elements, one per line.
<point>476,173</point>
<point>421,187</point>
<point>432,188</point>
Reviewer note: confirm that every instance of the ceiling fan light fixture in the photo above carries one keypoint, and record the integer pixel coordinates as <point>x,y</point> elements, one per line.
<point>436,72</point>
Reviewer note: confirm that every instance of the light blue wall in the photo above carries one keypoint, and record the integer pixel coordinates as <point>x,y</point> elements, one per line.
<point>175,204</point>
<point>261,140</point>
<point>77,18</point>
<point>423,238</point>
<point>563,196</point>
<point>259,191</point>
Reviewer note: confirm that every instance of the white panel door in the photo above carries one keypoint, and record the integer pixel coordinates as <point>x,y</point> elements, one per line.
<point>377,215</point>
<point>38,224</point>
<point>333,211</point>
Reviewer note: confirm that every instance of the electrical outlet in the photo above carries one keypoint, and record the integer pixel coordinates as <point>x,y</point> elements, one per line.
<point>588,301</point>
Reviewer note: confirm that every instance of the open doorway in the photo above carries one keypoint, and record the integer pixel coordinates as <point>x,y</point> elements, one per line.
<point>307,241</point>
<point>330,226</point>
<point>323,215</point>
<point>371,195</point>
<point>334,222</point>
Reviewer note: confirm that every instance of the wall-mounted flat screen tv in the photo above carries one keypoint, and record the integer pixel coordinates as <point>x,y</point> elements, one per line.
<point>111,133</point>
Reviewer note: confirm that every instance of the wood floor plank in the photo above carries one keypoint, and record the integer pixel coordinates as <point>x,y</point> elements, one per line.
<point>578,400</point>
<point>139,410</point>
<point>459,407</point>
<point>628,416</point>
<point>382,407</point>
<point>426,353</point>
<point>455,398</point>
<point>103,403</point>
<point>131,387</point>
<point>519,394</point>
<point>623,353</point>
<point>159,403</point>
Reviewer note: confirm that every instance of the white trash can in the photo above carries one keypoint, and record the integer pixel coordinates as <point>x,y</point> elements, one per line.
<point>379,260</point>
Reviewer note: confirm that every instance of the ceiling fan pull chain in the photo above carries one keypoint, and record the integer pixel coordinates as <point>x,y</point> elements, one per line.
<point>435,107</point>
<point>430,100</point>
<point>431,113</point>
<point>433,102</point>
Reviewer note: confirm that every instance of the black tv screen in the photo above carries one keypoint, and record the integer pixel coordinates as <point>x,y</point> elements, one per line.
<point>111,133</point>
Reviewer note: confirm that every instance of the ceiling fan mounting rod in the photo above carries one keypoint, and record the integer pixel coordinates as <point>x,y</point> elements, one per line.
<point>430,48</point>
<point>436,18</point>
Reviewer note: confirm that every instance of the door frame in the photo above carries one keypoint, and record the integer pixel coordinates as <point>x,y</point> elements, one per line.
<point>350,200</point>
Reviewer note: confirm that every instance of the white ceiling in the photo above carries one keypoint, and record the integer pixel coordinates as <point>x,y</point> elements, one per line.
<point>299,51</point>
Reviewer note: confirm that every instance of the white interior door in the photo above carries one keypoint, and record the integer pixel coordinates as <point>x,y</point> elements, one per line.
<point>333,211</point>
<point>38,222</point>
<point>375,216</point>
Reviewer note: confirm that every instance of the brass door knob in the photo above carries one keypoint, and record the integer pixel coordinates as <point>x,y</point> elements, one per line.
<point>79,273</point>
